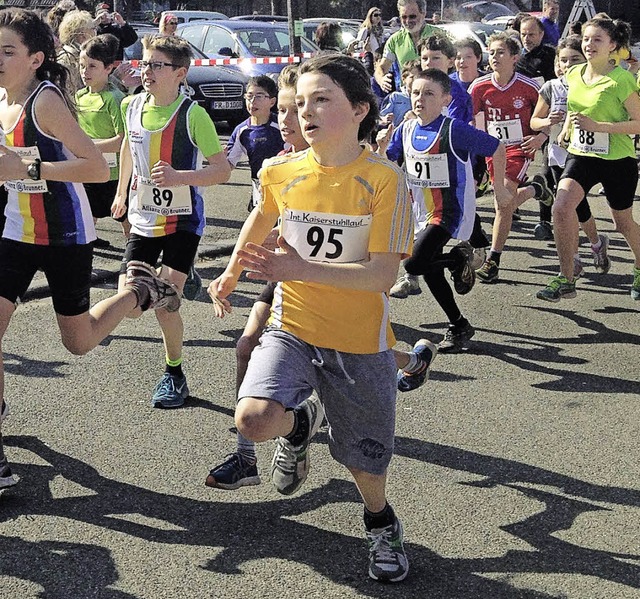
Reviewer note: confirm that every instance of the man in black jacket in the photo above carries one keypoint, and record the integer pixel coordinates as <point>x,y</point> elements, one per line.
<point>113,23</point>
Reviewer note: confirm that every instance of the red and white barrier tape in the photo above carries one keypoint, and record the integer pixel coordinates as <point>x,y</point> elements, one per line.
<point>210,62</point>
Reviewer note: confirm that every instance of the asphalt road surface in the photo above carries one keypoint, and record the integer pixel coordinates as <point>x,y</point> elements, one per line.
<point>516,469</point>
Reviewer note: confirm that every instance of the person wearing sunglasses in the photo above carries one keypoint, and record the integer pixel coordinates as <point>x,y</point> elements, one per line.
<point>371,33</point>
<point>168,24</point>
<point>401,46</point>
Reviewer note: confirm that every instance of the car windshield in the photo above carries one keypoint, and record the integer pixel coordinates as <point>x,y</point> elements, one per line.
<point>268,42</point>
<point>493,10</point>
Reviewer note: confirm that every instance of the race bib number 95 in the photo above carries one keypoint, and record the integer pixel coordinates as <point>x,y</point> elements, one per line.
<point>323,237</point>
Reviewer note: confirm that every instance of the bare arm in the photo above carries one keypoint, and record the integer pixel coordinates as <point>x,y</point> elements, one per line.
<point>126,169</point>
<point>377,273</point>
<point>56,120</point>
<point>112,144</point>
<point>218,171</point>
<point>383,76</point>
<point>630,127</point>
<point>254,231</point>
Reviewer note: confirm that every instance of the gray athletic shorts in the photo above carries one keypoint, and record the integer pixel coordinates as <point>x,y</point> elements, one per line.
<point>358,392</point>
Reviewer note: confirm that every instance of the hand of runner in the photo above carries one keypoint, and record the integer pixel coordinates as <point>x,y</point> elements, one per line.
<point>383,138</point>
<point>164,175</point>
<point>11,166</point>
<point>118,207</point>
<point>218,291</point>
<point>583,122</point>
<point>261,263</point>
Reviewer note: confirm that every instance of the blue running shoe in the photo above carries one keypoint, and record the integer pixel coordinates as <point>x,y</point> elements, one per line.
<point>235,472</point>
<point>427,353</point>
<point>170,392</point>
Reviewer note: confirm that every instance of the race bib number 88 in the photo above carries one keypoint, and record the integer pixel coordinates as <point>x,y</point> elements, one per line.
<point>322,237</point>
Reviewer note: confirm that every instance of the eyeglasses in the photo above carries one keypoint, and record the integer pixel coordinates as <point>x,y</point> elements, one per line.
<point>376,14</point>
<point>252,97</point>
<point>409,17</point>
<point>156,65</point>
<point>172,22</point>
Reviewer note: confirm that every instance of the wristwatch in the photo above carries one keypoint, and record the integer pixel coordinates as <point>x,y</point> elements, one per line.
<point>33,170</point>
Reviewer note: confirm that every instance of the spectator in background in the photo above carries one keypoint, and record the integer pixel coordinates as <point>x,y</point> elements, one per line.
<point>168,24</point>
<point>76,28</point>
<point>549,20</point>
<point>328,36</point>
<point>57,13</point>
<point>371,32</point>
<point>537,61</point>
<point>401,46</point>
<point>435,19</point>
<point>114,24</point>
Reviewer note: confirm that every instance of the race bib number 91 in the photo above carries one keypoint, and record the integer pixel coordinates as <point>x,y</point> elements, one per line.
<point>431,170</point>
<point>322,237</point>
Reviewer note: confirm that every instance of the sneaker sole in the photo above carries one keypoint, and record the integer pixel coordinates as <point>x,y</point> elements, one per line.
<point>404,296</point>
<point>491,280</point>
<point>249,481</point>
<point>555,300</point>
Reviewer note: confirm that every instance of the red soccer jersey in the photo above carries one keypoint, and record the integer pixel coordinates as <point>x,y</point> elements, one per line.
<point>507,110</point>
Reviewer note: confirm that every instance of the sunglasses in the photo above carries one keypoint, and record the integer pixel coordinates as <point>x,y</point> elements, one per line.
<point>376,14</point>
<point>172,22</point>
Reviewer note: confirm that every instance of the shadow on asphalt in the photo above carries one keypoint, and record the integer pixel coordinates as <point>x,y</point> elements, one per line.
<point>249,531</point>
<point>545,355</point>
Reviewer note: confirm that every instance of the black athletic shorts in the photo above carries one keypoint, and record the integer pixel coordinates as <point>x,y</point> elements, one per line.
<point>68,272</point>
<point>619,178</point>
<point>178,250</point>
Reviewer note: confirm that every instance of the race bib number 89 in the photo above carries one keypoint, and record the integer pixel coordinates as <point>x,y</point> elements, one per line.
<point>322,237</point>
<point>166,201</point>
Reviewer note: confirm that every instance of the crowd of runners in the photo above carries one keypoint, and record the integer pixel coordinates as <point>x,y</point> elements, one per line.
<point>363,181</point>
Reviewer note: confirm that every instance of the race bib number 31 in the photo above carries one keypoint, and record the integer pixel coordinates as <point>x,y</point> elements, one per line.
<point>590,142</point>
<point>508,132</point>
<point>323,237</point>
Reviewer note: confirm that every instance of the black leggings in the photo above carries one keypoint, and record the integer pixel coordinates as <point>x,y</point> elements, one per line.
<point>429,261</point>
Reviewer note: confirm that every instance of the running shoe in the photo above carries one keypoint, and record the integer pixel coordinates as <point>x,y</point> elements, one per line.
<point>233,473</point>
<point>170,392</point>
<point>193,284</point>
<point>543,231</point>
<point>4,412</point>
<point>101,243</point>
<point>558,288</point>
<point>578,268</point>
<point>543,192</point>
<point>488,272</point>
<point>463,276</point>
<point>290,465</point>
<point>405,286</point>
<point>600,257</point>
<point>635,287</point>
<point>479,257</point>
<point>426,352</point>
<point>7,479</point>
<point>387,559</point>
<point>153,292</point>
<point>455,338</point>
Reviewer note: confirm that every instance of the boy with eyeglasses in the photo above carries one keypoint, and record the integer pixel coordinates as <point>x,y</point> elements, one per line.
<point>166,138</point>
<point>258,137</point>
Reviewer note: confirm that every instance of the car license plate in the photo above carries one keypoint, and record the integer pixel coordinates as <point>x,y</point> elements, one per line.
<point>227,105</point>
